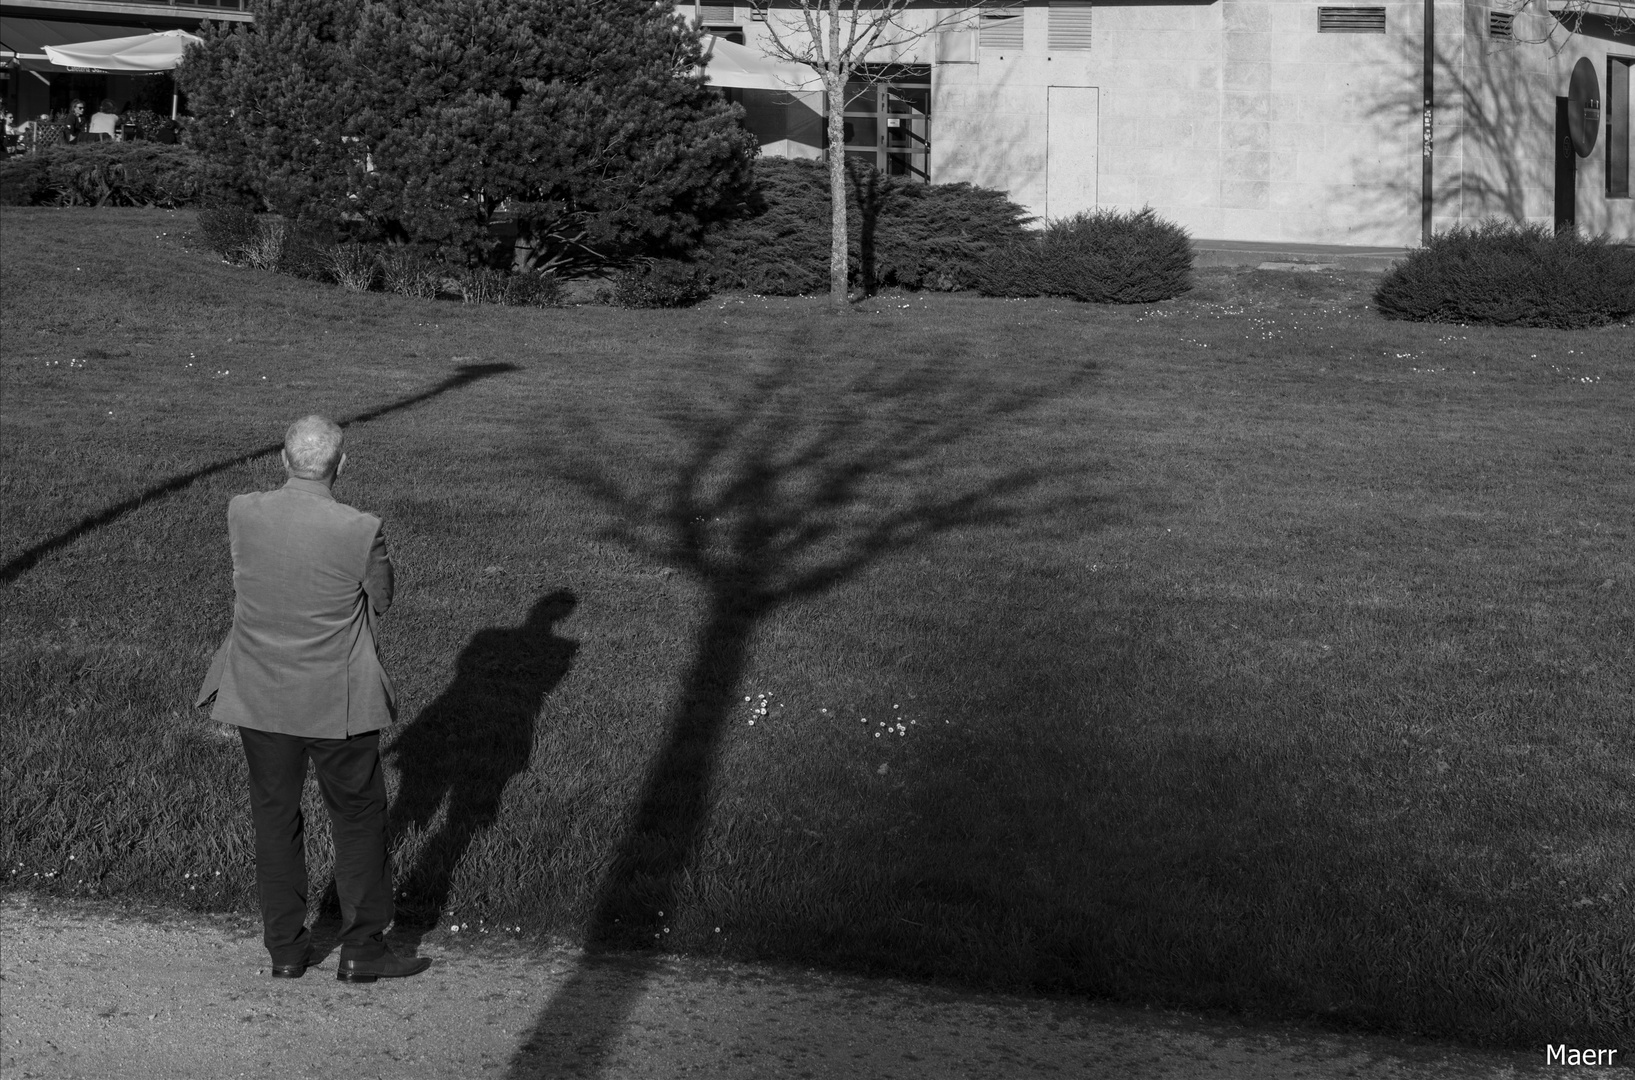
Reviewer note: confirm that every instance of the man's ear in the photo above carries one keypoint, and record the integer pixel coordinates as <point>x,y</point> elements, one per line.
<point>339,465</point>
<point>284,456</point>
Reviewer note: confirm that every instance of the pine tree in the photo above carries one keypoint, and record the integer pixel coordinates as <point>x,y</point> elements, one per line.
<point>268,110</point>
<point>583,120</point>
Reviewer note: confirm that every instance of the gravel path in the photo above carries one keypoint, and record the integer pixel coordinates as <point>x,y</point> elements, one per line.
<point>87,992</point>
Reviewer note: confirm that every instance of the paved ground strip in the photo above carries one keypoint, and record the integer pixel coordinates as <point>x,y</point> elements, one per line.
<point>91,993</point>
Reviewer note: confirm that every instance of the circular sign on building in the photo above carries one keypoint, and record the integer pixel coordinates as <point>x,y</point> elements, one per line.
<point>1584,106</point>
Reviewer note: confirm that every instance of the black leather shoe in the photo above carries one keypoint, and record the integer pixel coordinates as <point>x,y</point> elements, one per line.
<point>386,966</point>
<point>292,971</point>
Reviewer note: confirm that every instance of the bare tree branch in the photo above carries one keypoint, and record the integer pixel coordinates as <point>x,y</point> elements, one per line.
<point>837,38</point>
<point>1563,20</point>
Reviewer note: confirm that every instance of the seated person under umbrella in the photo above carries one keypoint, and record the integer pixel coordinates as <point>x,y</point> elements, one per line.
<point>104,122</point>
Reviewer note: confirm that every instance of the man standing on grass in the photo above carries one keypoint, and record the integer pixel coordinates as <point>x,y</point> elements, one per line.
<point>300,678</point>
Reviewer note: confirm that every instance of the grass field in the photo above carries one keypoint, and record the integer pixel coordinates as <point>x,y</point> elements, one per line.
<point>1245,651</point>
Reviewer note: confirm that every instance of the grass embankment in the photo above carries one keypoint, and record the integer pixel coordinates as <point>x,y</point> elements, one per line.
<point>1242,651</point>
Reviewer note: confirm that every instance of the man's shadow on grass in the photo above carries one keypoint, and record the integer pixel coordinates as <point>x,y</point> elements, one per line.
<point>461,752</point>
<point>774,490</point>
<point>457,757</point>
<point>464,375</point>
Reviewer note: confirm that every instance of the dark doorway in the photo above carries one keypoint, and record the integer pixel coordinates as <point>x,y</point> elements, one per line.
<point>1566,170</point>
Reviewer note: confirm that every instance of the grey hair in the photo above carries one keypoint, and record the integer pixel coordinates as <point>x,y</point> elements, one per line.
<point>313,446</point>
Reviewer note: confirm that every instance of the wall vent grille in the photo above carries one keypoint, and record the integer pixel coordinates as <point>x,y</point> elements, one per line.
<point>1351,20</point>
<point>1501,24</point>
<point>1069,24</point>
<point>1001,26</point>
<point>718,13</point>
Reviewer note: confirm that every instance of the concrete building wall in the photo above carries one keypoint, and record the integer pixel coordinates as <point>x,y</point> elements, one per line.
<point>1239,120</point>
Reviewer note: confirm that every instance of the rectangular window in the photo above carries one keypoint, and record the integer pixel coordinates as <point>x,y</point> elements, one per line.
<point>1001,25</point>
<point>1618,106</point>
<point>1351,20</point>
<point>717,13</point>
<point>1501,24</point>
<point>1069,25</point>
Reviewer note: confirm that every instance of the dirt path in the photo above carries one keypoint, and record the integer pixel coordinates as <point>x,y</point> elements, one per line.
<point>87,993</point>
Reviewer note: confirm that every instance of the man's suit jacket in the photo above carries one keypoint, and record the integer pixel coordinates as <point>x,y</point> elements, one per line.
<point>310,575</point>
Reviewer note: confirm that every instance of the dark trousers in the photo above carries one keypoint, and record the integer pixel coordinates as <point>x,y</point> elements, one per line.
<point>354,790</point>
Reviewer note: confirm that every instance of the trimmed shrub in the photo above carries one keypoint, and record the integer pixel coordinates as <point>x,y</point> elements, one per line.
<point>266,242</point>
<point>265,251</point>
<point>1104,256</point>
<point>1511,275</point>
<point>533,290</point>
<point>103,174</point>
<point>901,234</point>
<point>660,283</point>
<point>486,285</point>
<point>481,285</point>
<point>409,272</point>
<point>354,266</point>
<point>23,180</point>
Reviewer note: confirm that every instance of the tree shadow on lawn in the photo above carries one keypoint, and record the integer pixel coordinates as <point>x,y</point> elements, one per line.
<point>809,469</point>
<point>464,375</point>
<point>459,754</point>
<point>1137,824</point>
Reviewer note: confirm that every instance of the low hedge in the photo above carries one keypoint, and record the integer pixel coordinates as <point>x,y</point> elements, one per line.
<point>1104,256</point>
<point>660,283</point>
<point>902,234</point>
<point>1505,274</point>
<point>103,174</point>
<point>271,242</point>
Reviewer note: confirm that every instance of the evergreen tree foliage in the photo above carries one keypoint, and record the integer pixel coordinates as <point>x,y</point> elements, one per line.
<point>1503,274</point>
<point>580,124</point>
<point>900,233</point>
<point>1104,256</point>
<point>269,106</point>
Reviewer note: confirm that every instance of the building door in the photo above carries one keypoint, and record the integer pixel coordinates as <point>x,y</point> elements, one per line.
<point>1566,170</point>
<point>1071,133</point>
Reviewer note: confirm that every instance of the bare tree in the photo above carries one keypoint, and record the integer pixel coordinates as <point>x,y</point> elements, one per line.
<point>837,37</point>
<point>1564,20</point>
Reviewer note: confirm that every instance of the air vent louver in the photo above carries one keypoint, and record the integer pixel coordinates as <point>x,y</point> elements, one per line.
<point>1351,20</point>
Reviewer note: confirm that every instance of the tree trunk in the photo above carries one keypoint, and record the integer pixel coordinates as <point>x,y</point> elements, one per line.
<point>837,189</point>
<point>834,81</point>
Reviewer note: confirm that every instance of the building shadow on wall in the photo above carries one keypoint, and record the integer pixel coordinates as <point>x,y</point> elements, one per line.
<point>805,473</point>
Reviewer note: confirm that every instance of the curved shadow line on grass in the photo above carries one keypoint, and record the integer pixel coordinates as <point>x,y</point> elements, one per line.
<point>22,564</point>
<point>783,491</point>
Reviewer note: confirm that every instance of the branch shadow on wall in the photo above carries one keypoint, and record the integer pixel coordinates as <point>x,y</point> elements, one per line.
<point>1501,94</point>
<point>773,490</point>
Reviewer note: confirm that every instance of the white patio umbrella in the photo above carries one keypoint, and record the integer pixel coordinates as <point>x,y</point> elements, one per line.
<point>160,51</point>
<point>727,63</point>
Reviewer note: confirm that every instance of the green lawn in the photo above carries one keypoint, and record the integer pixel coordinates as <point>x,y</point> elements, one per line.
<point>1245,651</point>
